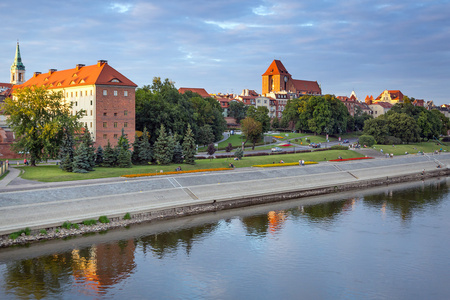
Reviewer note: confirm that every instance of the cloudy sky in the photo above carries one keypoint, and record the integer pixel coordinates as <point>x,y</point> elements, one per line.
<point>225,46</point>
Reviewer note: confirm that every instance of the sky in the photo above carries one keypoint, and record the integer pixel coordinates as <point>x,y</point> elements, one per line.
<point>225,46</point>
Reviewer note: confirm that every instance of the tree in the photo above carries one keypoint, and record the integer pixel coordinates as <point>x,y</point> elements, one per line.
<point>136,150</point>
<point>67,152</point>
<point>237,110</point>
<point>99,156</point>
<point>87,140</point>
<point>123,152</point>
<point>229,147</point>
<point>239,153</point>
<point>260,114</point>
<point>109,156</point>
<point>205,135</point>
<point>377,128</point>
<point>177,153</point>
<point>252,130</point>
<point>275,123</point>
<point>38,118</point>
<point>189,147</point>
<point>81,158</point>
<point>367,140</point>
<point>444,121</point>
<point>403,127</point>
<point>211,149</point>
<point>163,147</point>
<point>145,154</point>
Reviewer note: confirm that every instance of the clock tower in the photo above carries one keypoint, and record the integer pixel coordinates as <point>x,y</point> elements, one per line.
<point>17,69</point>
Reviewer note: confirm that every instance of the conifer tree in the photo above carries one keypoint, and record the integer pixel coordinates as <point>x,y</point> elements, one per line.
<point>122,151</point>
<point>99,156</point>
<point>109,156</point>
<point>81,160</point>
<point>189,147</point>
<point>178,153</point>
<point>163,147</point>
<point>136,150</point>
<point>67,152</point>
<point>145,154</point>
<point>239,153</point>
<point>87,140</point>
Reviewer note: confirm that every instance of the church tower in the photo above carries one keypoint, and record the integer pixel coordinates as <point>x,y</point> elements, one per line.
<point>17,69</point>
<point>276,78</point>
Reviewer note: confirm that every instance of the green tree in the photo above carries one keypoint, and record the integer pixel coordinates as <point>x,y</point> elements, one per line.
<point>109,156</point>
<point>81,158</point>
<point>260,114</point>
<point>145,154</point>
<point>237,110</point>
<point>205,135</point>
<point>239,153</point>
<point>366,140</point>
<point>444,121</point>
<point>189,147</point>
<point>403,127</point>
<point>378,128</point>
<point>38,118</point>
<point>99,156</point>
<point>163,147</point>
<point>252,130</point>
<point>275,123</point>
<point>177,153</point>
<point>87,140</point>
<point>136,150</point>
<point>67,152</point>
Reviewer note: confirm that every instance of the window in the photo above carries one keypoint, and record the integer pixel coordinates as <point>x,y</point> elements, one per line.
<point>90,125</point>
<point>76,94</point>
<point>115,135</point>
<point>76,103</point>
<point>125,125</point>
<point>115,114</point>
<point>115,93</point>
<point>85,93</point>
<point>105,92</point>
<point>125,112</point>
<point>125,93</point>
<point>115,124</point>
<point>91,92</point>
<point>71,94</point>
<point>91,102</point>
<point>105,136</point>
<point>104,114</point>
<point>105,124</point>
<point>91,112</point>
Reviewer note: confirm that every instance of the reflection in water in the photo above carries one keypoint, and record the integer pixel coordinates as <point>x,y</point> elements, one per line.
<point>93,271</point>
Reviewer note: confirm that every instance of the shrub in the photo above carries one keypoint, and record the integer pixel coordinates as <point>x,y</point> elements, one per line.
<point>89,222</point>
<point>339,147</point>
<point>43,231</point>
<point>127,216</point>
<point>239,153</point>
<point>66,225</point>
<point>104,219</point>
<point>367,140</point>
<point>390,140</point>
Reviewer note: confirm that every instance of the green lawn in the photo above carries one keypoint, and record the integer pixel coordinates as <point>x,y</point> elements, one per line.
<point>52,173</point>
<point>426,147</point>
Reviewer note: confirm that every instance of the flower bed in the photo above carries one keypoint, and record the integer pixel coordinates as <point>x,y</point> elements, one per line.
<point>354,158</point>
<point>284,164</point>
<point>278,137</point>
<point>174,172</point>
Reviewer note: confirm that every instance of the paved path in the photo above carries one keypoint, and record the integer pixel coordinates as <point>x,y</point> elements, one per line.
<point>37,205</point>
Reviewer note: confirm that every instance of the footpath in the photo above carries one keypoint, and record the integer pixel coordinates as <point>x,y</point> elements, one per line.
<point>36,205</point>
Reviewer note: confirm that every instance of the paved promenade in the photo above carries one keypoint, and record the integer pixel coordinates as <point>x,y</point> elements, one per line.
<point>37,205</point>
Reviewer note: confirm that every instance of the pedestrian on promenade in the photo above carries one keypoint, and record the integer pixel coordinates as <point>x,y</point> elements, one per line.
<point>303,162</point>
<point>231,165</point>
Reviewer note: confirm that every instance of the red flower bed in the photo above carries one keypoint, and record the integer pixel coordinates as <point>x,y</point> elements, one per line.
<point>355,158</point>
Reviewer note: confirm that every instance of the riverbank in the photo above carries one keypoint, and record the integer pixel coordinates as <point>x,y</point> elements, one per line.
<point>48,206</point>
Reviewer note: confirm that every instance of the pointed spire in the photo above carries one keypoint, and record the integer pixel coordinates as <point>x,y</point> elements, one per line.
<point>18,65</point>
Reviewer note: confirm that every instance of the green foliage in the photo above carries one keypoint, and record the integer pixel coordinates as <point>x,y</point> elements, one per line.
<point>104,219</point>
<point>229,147</point>
<point>124,158</point>
<point>275,123</point>
<point>205,135</point>
<point>87,140</point>
<point>252,130</point>
<point>38,118</point>
<point>81,160</point>
<point>239,153</point>
<point>99,156</point>
<point>66,225</point>
<point>367,140</point>
<point>404,127</point>
<point>127,216</point>
<point>145,154</point>
<point>162,104</point>
<point>260,114</point>
<point>89,222</point>
<point>177,153</point>
<point>377,128</point>
<point>237,110</point>
<point>163,147</point>
<point>319,114</point>
<point>339,147</point>
<point>67,152</point>
<point>189,147</point>
<point>43,231</point>
<point>109,156</point>
<point>15,235</point>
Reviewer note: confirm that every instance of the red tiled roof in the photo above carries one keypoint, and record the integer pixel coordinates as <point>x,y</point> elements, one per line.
<point>276,68</point>
<point>202,92</point>
<point>99,74</point>
<point>4,85</point>
<point>395,94</point>
<point>306,86</point>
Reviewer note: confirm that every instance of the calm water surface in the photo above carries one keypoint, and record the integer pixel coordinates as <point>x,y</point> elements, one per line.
<point>388,243</point>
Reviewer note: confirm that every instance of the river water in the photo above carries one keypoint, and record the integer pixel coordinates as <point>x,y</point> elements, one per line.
<point>386,243</point>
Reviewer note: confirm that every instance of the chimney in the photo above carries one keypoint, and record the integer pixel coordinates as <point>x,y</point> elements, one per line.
<point>101,62</point>
<point>79,66</point>
<point>35,74</point>
<point>51,71</point>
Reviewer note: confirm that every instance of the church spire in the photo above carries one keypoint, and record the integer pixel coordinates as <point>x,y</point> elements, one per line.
<point>17,68</point>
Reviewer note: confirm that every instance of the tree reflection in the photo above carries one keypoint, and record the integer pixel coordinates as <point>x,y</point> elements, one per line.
<point>168,242</point>
<point>94,269</point>
<point>409,201</point>
<point>323,212</point>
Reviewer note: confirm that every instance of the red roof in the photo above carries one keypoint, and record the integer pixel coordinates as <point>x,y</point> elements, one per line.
<point>307,86</point>
<point>99,74</point>
<point>202,92</point>
<point>5,85</point>
<point>395,95</point>
<point>276,68</point>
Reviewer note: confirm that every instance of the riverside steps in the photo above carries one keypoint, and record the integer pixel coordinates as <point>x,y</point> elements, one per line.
<point>46,205</point>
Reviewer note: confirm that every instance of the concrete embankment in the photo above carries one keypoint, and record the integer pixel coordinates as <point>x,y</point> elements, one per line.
<point>49,205</point>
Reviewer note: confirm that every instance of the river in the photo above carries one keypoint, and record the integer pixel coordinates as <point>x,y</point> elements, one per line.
<point>386,243</point>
